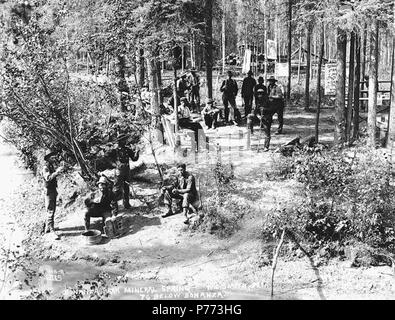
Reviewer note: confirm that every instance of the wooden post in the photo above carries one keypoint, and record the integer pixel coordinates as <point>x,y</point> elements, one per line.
<point>274,263</point>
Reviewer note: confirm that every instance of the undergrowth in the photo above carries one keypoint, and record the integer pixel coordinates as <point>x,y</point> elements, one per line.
<point>348,198</point>
<point>222,210</point>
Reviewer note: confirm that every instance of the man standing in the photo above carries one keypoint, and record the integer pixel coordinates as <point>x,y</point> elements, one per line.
<point>276,102</point>
<point>121,156</point>
<point>182,86</point>
<point>229,92</point>
<point>261,108</point>
<point>210,114</point>
<point>50,174</point>
<point>194,87</point>
<point>102,203</point>
<point>184,188</point>
<point>247,92</point>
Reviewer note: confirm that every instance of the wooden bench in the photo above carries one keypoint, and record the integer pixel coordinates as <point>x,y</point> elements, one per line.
<point>187,136</point>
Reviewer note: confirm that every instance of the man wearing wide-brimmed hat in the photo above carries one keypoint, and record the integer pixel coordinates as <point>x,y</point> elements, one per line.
<point>276,101</point>
<point>50,174</point>
<point>247,92</point>
<point>101,203</point>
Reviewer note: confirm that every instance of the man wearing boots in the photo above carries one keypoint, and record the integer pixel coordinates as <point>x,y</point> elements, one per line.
<point>247,92</point>
<point>229,92</point>
<point>262,113</point>
<point>276,102</point>
<point>50,174</point>
<point>121,156</point>
<point>102,203</point>
<point>184,188</point>
<point>261,101</point>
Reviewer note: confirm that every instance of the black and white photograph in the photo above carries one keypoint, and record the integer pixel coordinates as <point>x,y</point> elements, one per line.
<point>197,150</point>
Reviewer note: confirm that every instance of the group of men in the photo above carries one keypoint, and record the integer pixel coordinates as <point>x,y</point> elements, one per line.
<point>188,86</point>
<point>102,203</point>
<point>268,101</point>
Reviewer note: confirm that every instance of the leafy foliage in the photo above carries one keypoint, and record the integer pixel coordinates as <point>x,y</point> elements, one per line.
<point>222,211</point>
<point>49,108</point>
<point>348,198</point>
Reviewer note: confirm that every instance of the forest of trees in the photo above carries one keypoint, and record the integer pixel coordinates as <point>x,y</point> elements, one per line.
<point>46,42</point>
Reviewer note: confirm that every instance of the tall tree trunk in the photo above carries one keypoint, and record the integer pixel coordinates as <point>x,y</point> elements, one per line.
<point>193,51</point>
<point>175,106</point>
<point>223,37</point>
<point>209,47</point>
<point>357,86</point>
<point>350,87</point>
<point>159,76</point>
<point>266,31</point>
<point>363,69</point>
<point>300,58</point>
<point>319,91</point>
<point>391,124</point>
<point>373,64</point>
<point>122,85</point>
<point>141,70</point>
<point>155,92</point>
<point>308,62</point>
<point>341,42</point>
<point>289,53</point>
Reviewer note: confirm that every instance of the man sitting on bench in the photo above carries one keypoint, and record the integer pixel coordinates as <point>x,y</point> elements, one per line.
<point>184,188</point>
<point>185,121</point>
<point>210,114</point>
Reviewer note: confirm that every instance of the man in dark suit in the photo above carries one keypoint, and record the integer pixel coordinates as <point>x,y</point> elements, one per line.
<point>247,92</point>
<point>229,91</point>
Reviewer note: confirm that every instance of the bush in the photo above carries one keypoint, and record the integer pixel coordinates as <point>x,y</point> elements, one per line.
<point>348,198</point>
<point>223,218</point>
<point>222,211</point>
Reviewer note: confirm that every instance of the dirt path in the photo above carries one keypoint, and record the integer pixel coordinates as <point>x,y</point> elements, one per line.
<point>162,259</point>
